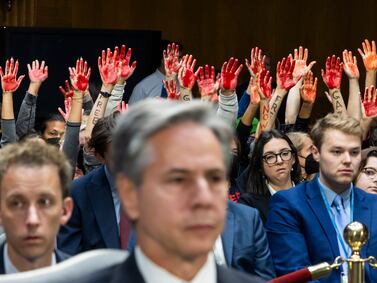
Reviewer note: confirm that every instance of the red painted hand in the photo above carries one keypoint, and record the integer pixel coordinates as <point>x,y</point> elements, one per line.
<point>171,60</point>
<point>252,90</point>
<point>108,67</point>
<point>256,64</point>
<point>333,75</point>
<point>264,81</point>
<point>9,81</point>
<point>284,74</point>
<point>67,92</point>
<point>171,89</point>
<point>37,73</point>
<point>301,57</point>
<point>369,103</point>
<point>126,69</point>
<point>122,106</point>
<point>308,90</point>
<point>229,74</point>
<point>369,55</point>
<point>350,65</point>
<point>186,75</point>
<point>80,75</point>
<point>68,108</point>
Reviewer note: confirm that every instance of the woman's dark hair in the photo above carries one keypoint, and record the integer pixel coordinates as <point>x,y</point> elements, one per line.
<point>256,182</point>
<point>102,134</point>
<point>49,118</point>
<point>371,153</point>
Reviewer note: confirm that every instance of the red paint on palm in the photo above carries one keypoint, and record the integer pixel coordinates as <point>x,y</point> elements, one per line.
<point>188,78</point>
<point>82,83</point>
<point>265,82</point>
<point>109,67</point>
<point>9,81</point>
<point>207,84</point>
<point>171,89</point>
<point>126,69</point>
<point>80,75</point>
<point>369,102</point>
<point>171,59</point>
<point>333,74</point>
<point>284,74</point>
<point>256,64</point>
<point>68,91</point>
<point>229,74</point>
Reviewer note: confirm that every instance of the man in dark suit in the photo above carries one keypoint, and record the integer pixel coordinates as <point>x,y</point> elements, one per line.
<point>305,224</point>
<point>34,202</point>
<point>95,219</point>
<point>170,161</point>
<point>245,243</point>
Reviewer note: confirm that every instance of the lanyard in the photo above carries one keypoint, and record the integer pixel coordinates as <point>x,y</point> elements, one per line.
<point>332,216</point>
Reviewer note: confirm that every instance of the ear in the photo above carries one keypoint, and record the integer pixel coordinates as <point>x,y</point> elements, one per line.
<point>316,154</point>
<point>67,210</point>
<point>128,196</point>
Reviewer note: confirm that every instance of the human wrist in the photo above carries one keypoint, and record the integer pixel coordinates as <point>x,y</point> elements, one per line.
<point>34,88</point>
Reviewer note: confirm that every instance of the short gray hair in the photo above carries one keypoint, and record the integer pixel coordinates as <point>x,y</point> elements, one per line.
<point>140,122</point>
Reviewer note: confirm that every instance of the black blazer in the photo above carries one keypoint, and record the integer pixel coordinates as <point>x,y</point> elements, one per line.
<point>60,256</point>
<point>259,202</point>
<point>129,271</point>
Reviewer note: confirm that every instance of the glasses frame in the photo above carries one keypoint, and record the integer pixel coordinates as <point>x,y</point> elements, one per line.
<point>369,176</point>
<point>276,156</point>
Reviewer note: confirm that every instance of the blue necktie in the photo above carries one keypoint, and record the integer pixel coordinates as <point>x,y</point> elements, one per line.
<point>342,219</point>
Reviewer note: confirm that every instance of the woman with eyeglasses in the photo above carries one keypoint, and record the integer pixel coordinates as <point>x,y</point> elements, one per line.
<point>273,167</point>
<point>366,179</point>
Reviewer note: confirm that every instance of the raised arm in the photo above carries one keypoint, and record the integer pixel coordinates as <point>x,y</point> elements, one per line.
<point>171,89</point>
<point>293,99</point>
<point>126,72</point>
<point>9,84</point>
<point>228,103</point>
<point>368,108</point>
<point>370,61</point>
<point>187,77</point>
<point>207,83</point>
<point>38,73</point>
<point>264,81</point>
<point>332,77</point>
<point>171,61</point>
<point>352,72</point>
<point>109,69</point>
<point>308,93</point>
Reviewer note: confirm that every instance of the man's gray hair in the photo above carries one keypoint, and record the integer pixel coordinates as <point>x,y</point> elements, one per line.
<point>130,151</point>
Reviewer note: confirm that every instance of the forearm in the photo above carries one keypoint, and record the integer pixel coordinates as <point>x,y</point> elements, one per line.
<point>115,98</point>
<point>354,105</point>
<point>275,104</point>
<point>7,112</point>
<point>26,116</point>
<point>228,108</point>
<point>338,102</point>
<point>87,104</point>
<point>76,110</point>
<point>306,110</point>
<point>293,104</point>
<point>370,78</point>
<point>71,144</point>
<point>249,114</point>
<point>263,115</point>
<point>186,94</point>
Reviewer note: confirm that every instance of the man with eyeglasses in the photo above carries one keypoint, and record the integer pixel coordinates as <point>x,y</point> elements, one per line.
<point>305,224</point>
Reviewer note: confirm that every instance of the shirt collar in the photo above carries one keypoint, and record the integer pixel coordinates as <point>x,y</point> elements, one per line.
<point>10,268</point>
<point>330,194</point>
<point>110,179</point>
<point>152,273</point>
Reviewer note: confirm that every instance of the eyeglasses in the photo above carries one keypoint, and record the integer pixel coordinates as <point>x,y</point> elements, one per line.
<point>371,173</point>
<point>272,158</point>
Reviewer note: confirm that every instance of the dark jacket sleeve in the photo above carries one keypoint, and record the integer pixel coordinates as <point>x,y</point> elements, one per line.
<point>26,115</point>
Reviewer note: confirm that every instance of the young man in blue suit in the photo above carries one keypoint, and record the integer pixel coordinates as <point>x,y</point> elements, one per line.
<point>305,225</point>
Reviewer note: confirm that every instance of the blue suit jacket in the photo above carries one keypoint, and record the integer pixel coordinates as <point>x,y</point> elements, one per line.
<point>93,223</point>
<point>300,231</point>
<point>245,243</point>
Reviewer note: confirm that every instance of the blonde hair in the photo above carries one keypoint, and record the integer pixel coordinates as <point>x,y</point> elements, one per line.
<point>345,124</point>
<point>297,139</point>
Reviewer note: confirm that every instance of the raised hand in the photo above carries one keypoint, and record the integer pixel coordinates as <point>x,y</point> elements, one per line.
<point>284,74</point>
<point>207,83</point>
<point>171,89</point>
<point>68,108</point>
<point>369,103</point>
<point>9,81</point>
<point>264,81</point>
<point>109,68</point>
<point>37,73</point>
<point>350,65</point>
<point>68,91</point>
<point>126,69</point>
<point>369,55</point>
<point>256,64</point>
<point>80,75</point>
<point>186,75</point>
<point>308,90</point>
<point>171,61</point>
<point>332,77</point>
<point>229,75</point>
<point>300,57</point>
<point>122,106</point>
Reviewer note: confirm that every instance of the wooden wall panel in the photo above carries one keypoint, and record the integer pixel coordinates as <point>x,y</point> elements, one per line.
<point>213,30</point>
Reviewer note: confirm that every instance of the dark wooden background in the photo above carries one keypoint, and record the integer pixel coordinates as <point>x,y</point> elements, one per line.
<point>214,30</point>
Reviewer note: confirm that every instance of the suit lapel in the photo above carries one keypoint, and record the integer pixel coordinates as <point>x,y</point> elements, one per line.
<point>227,237</point>
<point>103,208</point>
<point>128,271</point>
<point>317,205</point>
<point>362,213</point>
